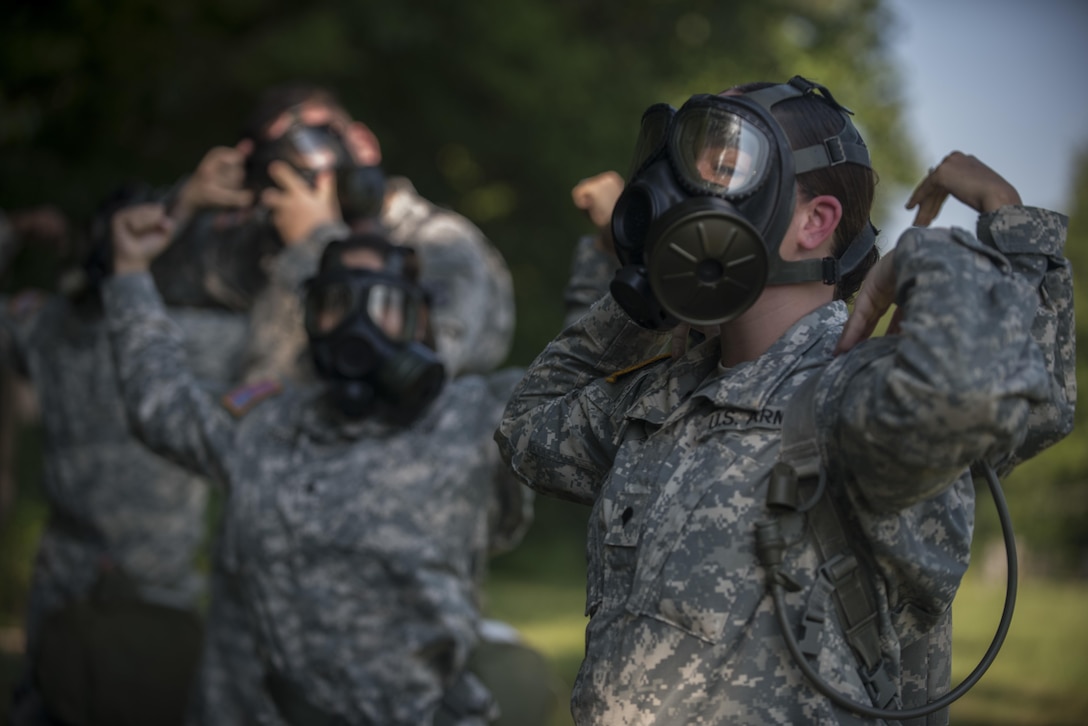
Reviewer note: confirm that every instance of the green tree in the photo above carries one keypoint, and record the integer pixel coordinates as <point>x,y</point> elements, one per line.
<point>494,108</point>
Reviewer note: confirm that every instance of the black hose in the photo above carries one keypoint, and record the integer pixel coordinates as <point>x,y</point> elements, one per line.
<point>869,711</point>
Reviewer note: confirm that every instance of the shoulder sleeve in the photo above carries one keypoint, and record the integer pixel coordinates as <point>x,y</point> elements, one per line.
<point>591,271</point>
<point>906,414</point>
<point>168,410</point>
<point>473,310</point>
<point>561,427</point>
<point>1033,240</point>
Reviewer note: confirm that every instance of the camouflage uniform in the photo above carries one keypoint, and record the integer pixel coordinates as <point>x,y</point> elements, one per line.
<point>346,563</point>
<point>110,499</point>
<point>472,312</point>
<point>591,270</point>
<point>674,457</point>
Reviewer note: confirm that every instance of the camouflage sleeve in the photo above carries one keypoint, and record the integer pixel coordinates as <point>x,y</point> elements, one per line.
<point>277,341</point>
<point>511,509</point>
<point>473,308</point>
<point>559,432</point>
<point>167,409</point>
<point>1033,240</point>
<point>591,270</point>
<point>906,414</point>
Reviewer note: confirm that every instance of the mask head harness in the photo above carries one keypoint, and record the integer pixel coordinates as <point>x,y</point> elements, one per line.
<point>710,198</point>
<point>310,149</point>
<point>365,327</point>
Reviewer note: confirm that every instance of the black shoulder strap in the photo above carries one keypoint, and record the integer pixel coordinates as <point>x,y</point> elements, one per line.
<point>842,575</point>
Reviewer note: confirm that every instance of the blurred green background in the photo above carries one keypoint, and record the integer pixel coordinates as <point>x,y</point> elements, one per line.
<point>496,109</point>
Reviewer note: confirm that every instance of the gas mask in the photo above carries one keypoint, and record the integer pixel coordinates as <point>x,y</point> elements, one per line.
<point>363,326</point>
<point>710,198</point>
<point>309,149</point>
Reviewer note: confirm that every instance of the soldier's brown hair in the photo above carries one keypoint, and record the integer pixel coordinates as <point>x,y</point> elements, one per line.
<point>808,120</point>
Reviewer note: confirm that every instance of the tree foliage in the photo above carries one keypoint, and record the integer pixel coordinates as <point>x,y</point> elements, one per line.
<point>494,108</point>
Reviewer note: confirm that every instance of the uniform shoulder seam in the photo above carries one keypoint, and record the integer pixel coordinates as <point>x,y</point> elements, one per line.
<point>612,378</point>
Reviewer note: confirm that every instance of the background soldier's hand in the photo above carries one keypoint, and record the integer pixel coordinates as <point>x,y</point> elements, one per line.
<point>297,208</point>
<point>596,196</point>
<point>216,182</point>
<point>876,295</point>
<point>968,180</point>
<point>140,234</point>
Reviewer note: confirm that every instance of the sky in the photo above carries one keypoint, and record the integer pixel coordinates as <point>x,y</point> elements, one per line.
<point>1003,80</point>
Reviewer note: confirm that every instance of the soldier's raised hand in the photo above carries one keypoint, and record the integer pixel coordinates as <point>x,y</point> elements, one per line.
<point>297,208</point>
<point>965,178</point>
<point>875,297</point>
<point>140,233</point>
<point>596,196</point>
<point>216,182</point>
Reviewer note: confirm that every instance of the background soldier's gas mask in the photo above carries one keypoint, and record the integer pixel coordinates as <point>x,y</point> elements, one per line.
<point>365,328</point>
<point>310,149</point>
<point>710,197</point>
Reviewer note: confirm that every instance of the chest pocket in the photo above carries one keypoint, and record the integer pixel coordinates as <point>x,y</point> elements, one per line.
<point>697,564</point>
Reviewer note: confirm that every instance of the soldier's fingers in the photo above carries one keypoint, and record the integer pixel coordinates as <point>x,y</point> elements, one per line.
<point>874,298</point>
<point>859,326</point>
<point>600,187</point>
<point>929,208</point>
<point>230,197</point>
<point>273,198</point>
<point>284,174</point>
<point>325,184</point>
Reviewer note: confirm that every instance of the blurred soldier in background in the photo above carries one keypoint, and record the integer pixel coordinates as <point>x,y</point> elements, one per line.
<point>111,627</point>
<point>360,508</point>
<point>294,133</point>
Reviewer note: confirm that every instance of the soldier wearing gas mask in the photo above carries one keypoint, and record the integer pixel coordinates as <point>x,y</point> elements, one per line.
<point>777,476</point>
<point>360,507</point>
<point>253,219</point>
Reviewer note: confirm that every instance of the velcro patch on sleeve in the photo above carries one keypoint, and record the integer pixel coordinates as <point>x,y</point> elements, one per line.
<point>242,399</point>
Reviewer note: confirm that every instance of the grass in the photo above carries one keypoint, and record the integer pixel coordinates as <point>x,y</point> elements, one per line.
<point>1037,680</point>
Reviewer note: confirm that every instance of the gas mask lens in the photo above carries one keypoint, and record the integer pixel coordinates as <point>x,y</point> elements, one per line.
<point>312,148</point>
<point>327,305</point>
<point>718,152</point>
<point>392,308</point>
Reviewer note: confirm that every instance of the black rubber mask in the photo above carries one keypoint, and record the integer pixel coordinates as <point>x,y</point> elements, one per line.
<point>363,328</point>
<point>710,198</point>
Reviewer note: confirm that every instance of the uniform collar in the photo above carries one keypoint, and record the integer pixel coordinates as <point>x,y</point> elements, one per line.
<point>748,385</point>
<point>320,422</point>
